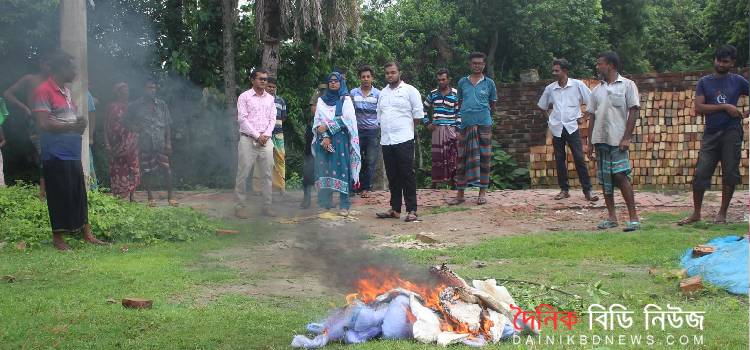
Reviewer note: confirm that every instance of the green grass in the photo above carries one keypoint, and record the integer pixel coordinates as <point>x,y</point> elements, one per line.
<point>59,300</point>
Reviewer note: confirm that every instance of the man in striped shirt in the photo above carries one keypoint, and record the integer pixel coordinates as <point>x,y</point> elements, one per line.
<point>443,103</point>
<point>365,98</point>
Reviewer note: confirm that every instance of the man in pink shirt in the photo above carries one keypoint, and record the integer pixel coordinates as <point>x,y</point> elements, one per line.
<point>256,115</point>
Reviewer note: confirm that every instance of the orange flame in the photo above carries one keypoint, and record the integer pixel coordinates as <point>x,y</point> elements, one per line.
<point>376,282</point>
<point>410,316</point>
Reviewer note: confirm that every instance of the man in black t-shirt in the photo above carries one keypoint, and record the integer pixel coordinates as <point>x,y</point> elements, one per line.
<point>716,97</point>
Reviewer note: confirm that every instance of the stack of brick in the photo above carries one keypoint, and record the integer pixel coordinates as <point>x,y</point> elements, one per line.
<point>664,149</point>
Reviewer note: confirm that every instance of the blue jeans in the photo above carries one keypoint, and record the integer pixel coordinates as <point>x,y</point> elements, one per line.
<point>369,143</point>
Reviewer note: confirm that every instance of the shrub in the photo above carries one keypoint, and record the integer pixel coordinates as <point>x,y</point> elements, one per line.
<point>505,173</point>
<point>24,218</point>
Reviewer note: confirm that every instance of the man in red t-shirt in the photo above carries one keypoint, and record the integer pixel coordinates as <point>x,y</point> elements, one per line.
<point>60,130</point>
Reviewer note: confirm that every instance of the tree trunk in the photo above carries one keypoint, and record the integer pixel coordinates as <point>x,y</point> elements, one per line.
<point>270,58</point>
<point>229,12</point>
<point>73,41</point>
<point>272,36</point>
<point>491,54</point>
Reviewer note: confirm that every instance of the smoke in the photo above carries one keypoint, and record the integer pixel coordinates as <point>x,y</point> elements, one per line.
<point>130,42</point>
<point>340,251</point>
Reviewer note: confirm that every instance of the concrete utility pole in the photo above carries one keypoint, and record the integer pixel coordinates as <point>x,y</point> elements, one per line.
<point>73,41</point>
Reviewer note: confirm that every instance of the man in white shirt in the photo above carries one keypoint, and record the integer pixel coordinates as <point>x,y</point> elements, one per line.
<point>565,97</point>
<point>399,111</point>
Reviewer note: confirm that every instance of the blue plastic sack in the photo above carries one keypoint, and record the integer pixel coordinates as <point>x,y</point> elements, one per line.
<point>366,318</point>
<point>395,324</point>
<point>726,268</point>
<point>354,337</point>
<point>316,328</point>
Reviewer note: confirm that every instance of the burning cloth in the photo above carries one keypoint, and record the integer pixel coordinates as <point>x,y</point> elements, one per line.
<point>448,312</point>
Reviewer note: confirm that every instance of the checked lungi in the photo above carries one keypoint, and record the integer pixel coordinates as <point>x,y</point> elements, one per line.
<point>474,157</point>
<point>444,154</point>
<point>610,160</point>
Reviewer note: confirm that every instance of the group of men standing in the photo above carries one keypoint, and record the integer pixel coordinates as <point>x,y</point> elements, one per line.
<point>460,121</point>
<point>612,109</point>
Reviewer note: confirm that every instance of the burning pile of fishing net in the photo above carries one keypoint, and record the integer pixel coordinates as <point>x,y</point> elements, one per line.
<point>445,312</point>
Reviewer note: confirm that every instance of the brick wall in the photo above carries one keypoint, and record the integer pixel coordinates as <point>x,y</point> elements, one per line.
<point>666,139</point>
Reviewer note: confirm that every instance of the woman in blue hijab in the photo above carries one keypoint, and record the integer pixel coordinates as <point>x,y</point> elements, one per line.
<point>336,145</point>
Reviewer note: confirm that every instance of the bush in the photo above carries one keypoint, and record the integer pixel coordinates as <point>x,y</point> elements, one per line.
<point>294,182</point>
<point>505,172</point>
<point>24,218</point>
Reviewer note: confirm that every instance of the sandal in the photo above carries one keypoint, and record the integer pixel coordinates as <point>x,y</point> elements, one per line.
<point>590,197</point>
<point>481,200</point>
<point>455,201</point>
<point>561,195</point>
<point>411,217</point>
<point>606,224</point>
<point>687,221</point>
<point>631,226</point>
<point>390,214</point>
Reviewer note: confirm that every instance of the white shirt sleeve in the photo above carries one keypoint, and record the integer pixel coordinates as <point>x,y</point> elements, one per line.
<point>417,108</point>
<point>585,93</point>
<point>544,100</point>
<point>591,106</point>
<point>379,106</point>
<point>632,98</point>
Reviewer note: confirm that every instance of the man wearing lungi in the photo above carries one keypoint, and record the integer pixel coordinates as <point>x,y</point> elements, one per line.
<point>443,123</point>
<point>60,130</point>
<point>149,117</point>
<point>613,111</point>
<point>477,94</point>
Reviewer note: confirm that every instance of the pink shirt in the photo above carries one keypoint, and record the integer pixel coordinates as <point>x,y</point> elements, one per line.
<point>256,114</point>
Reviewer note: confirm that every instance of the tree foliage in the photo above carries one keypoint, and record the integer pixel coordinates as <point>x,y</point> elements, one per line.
<point>180,41</point>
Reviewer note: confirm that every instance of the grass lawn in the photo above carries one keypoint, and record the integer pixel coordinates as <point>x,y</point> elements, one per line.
<point>60,300</point>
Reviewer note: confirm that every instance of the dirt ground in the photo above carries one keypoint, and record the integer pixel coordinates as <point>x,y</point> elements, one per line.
<point>284,265</point>
<point>506,213</point>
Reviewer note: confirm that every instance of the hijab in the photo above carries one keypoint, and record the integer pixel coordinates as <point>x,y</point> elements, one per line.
<point>335,97</point>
